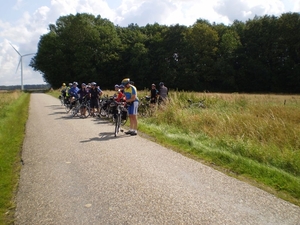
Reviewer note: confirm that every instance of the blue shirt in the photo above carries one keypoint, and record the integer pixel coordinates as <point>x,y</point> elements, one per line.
<point>74,92</point>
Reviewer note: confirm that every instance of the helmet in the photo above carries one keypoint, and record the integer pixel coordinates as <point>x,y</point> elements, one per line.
<point>75,83</point>
<point>70,84</point>
<point>161,83</point>
<point>64,84</point>
<point>116,86</point>
<point>125,81</point>
<point>83,84</point>
<point>121,86</point>
<point>93,83</point>
<point>153,85</point>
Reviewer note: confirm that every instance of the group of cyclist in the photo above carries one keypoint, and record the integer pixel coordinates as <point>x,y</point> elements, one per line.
<point>158,95</point>
<point>89,91</point>
<point>126,92</point>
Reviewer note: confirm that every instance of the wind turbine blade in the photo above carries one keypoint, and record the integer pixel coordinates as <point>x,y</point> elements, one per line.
<point>18,65</point>
<point>15,49</point>
<point>28,54</point>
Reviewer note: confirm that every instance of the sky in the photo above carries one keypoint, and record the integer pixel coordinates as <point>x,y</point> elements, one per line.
<point>22,22</point>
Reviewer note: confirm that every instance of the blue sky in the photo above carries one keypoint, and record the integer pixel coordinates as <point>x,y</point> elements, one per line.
<point>22,22</point>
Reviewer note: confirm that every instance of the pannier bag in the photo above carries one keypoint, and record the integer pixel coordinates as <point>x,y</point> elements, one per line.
<point>124,114</point>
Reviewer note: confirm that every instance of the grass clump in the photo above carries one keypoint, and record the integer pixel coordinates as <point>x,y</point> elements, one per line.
<point>13,116</point>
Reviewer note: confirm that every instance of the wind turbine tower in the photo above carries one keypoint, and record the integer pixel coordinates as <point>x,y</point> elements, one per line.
<point>21,62</point>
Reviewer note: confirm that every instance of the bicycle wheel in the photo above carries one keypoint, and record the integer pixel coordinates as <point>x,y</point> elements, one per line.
<point>75,111</point>
<point>62,100</point>
<point>117,124</point>
<point>87,111</point>
<point>142,110</point>
<point>103,112</point>
<point>123,121</point>
<point>67,107</point>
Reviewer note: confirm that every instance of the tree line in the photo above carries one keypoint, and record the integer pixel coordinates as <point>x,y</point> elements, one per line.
<point>259,55</point>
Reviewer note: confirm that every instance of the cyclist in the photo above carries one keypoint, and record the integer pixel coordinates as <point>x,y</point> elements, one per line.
<point>163,93</point>
<point>94,95</point>
<point>83,93</point>
<point>119,96</point>
<point>67,99</point>
<point>133,102</point>
<point>63,92</point>
<point>73,93</point>
<point>153,94</point>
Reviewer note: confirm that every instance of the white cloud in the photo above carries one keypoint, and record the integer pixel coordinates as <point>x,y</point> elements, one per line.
<point>18,5</point>
<point>296,7</point>
<point>243,10</point>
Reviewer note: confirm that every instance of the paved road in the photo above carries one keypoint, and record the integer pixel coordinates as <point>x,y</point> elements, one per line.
<point>77,172</point>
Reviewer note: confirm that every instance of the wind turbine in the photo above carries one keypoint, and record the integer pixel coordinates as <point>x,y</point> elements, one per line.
<point>21,62</point>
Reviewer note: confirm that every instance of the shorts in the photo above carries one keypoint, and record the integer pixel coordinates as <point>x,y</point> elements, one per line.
<point>94,103</point>
<point>133,108</point>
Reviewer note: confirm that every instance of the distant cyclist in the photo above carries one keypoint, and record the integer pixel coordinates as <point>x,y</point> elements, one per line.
<point>73,93</point>
<point>94,94</point>
<point>153,94</point>
<point>163,93</point>
<point>83,95</point>
<point>63,92</point>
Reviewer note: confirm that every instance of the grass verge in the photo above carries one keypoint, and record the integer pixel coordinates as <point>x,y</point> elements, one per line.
<point>13,117</point>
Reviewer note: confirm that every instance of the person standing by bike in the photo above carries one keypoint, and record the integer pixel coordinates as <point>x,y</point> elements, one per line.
<point>83,95</point>
<point>153,94</point>
<point>133,102</point>
<point>94,98</point>
<point>163,93</point>
<point>73,93</point>
<point>63,92</point>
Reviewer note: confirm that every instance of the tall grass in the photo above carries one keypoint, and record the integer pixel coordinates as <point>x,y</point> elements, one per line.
<point>256,136</point>
<point>13,116</point>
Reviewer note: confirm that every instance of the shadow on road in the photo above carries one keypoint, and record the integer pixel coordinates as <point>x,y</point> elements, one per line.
<point>105,136</point>
<point>54,106</point>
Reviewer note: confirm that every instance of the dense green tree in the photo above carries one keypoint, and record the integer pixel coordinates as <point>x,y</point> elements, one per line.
<point>202,42</point>
<point>288,78</point>
<point>175,58</point>
<point>259,55</point>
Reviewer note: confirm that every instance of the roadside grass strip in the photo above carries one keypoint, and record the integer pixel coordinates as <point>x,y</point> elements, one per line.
<point>13,117</point>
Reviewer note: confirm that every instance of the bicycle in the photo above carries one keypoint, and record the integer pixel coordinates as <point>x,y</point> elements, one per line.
<point>145,107</point>
<point>199,104</point>
<point>62,97</point>
<point>79,106</point>
<point>68,104</point>
<point>105,107</point>
<point>120,116</point>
